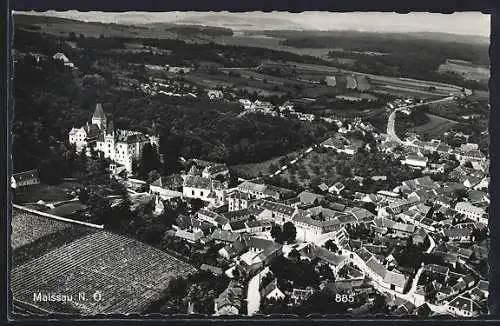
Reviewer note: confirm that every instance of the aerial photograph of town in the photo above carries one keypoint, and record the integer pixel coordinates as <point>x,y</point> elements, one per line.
<point>250,164</point>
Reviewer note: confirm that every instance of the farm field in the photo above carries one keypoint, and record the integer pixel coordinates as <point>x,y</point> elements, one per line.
<point>128,274</point>
<point>405,92</point>
<point>268,42</point>
<point>465,69</point>
<point>33,235</point>
<point>62,27</point>
<point>435,127</point>
<point>382,84</point>
<point>260,83</point>
<point>28,227</point>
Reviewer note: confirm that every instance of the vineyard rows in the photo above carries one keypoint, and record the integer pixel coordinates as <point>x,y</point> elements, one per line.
<point>28,227</point>
<point>128,274</point>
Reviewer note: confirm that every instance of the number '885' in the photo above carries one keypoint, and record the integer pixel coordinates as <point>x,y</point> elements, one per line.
<point>344,298</point>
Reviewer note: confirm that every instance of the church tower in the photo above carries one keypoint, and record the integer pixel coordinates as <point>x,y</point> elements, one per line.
<point>99,117</point>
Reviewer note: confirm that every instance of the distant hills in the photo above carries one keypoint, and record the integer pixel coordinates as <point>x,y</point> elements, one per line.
<point>219,24</point>
<point>254,23</point>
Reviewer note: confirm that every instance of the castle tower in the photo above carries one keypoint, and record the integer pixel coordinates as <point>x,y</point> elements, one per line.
<point>110,126</point>
<point>99,117</point>
<point>109,140</point>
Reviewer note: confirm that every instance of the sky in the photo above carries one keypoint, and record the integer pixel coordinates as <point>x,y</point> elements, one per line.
<point>463,23</point>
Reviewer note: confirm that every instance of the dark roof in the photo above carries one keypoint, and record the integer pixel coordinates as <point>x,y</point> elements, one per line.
<point>26,175</point>
<point>426,182</point>
<point>260,243</point>
<point>309,197</point>
<point>239,194</point>
<point>110,127</point>
<point>458,232</point>
<point>203,183</point>
<point>215,270</point>
<point>377,267</point>
<point>170,182</point>
<point>257,223</point>
<point>208,213</point>
<point>92,130</point>
<point>337,206</point>
<point>99,112</point>
<point>231,296</point>
<point>242,213</point>
<point>361,213</point>
<point>333,142</point>
<point>324,254</point>
<point>128,137</point>
<point>464,304</point>
<point>339,186</point>
<point>223,235</point>
<point>237,225</point>
<point>277,207</point>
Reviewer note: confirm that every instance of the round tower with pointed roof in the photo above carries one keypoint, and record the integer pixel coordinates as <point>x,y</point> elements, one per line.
<point>99,117</point>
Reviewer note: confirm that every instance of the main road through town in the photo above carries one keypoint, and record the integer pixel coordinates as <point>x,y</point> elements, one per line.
<point>391,130</point>
<point>253,293</point>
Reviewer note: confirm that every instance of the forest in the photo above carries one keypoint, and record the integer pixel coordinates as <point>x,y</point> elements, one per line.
<point>50,99</point>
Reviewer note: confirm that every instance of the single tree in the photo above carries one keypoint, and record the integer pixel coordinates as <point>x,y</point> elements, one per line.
<point>289,232</point>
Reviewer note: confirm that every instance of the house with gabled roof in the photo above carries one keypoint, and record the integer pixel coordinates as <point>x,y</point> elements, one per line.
<point>213,269</point>
<point>463,307</point>
<point>238,200</point>
<point>461,234</point>
<point>260,254</point>
<point>472,212</point>
<point>415,161</point>
<point>165,187</point>
<point>258,190</point>
<point>308,198</point>
<point>242,214</point>
<point>335,261</point>
<point>223,236</point>
<point>301,295</point>
<point>189,236</point>
<point>230,300</point>
<point>337,188</point>
<point>272,291</point>
<point>323,187</point>
<point>208,190</point>
<point>278,212</point>
<point>234,249</point>
<point>208,215</point>
<point>25,178</point>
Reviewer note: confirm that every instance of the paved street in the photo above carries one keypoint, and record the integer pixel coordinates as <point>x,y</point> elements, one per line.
<point>391,130</point>
<point>253,294</point>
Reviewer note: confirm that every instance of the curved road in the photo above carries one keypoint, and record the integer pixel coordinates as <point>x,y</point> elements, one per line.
<point>391,131</point>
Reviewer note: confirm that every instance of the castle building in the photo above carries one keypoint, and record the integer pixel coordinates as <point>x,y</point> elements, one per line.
<point>121,146</point>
